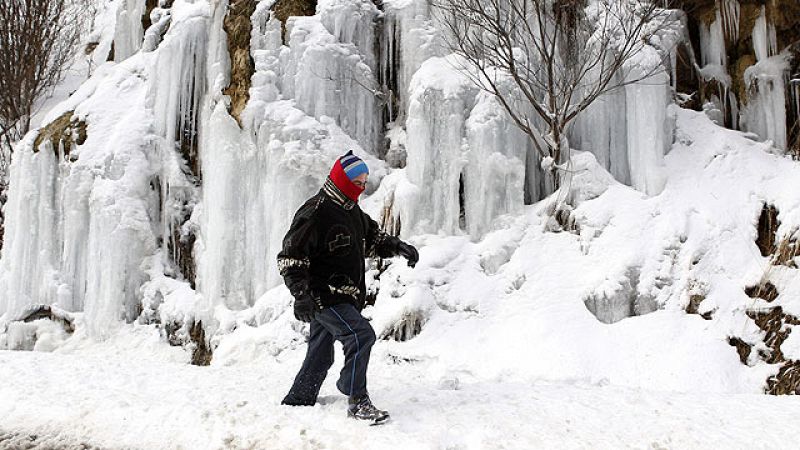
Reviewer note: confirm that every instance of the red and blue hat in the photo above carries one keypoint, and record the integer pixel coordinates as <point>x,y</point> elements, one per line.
<point>344,170</point>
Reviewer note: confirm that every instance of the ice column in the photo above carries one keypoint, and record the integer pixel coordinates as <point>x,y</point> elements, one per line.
<point>646,120</point>
<point>409,38</point>
<point>440,101</point>
<point>128,32</point>
<point>465,156</point>
<point>601,129</point>
<point>30,252</point>
<point>175,98</point>
<point>765,43</point>
<point>74,263</point>
<point>765,112</point>
<point>494,175</point>
<point>330,78</point>
<point>221,247</point>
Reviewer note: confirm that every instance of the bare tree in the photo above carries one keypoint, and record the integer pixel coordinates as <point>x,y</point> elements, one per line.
<point>547,60</point>
<point>38,39</point>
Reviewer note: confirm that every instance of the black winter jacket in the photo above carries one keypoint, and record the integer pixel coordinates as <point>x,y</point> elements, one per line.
<point>324,250</point>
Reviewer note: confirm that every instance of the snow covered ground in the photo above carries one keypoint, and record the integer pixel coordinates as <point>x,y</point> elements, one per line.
<point>134,392</point>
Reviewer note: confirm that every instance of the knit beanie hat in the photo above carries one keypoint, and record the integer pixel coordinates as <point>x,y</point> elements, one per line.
<point>344,170</point>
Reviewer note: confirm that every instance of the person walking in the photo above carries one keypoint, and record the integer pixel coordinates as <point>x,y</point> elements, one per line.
<point>322,264</point>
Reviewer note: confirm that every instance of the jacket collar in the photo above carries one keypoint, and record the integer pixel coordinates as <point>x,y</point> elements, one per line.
<point>334,193</point>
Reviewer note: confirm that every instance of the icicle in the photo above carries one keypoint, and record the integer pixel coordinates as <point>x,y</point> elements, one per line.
<point>176,96</point>
<point>712,43</point>
<point>765,42</point>
<point>765,112</point>
<point>352,22</point>
<point>601,130</point>
<point>327,78</point>
<point>728,13</point>
<point>414,35</point>
<point>31,239</point>
<point>646,111</point>
<point>495,171</point>
<point>128,32</point>
<point>734,115</point>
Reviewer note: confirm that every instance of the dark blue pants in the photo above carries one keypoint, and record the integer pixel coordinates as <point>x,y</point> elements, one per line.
<point>345,324</point>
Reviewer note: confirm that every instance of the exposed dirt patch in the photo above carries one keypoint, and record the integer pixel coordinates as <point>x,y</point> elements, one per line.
<point>284,9</point>
<point>46,312</point>
<point>694,306</point>
<point>783,250</point>
<point>774,323</point>
<point>767,228</point>
<point>406,328</point>
<point>201,355</point>
<point>238,26</point>
<point>742,347</point>
<point>190,335</point>
<point>788,249</point>
<point>66,129</point>
<point>148,8</point>
<point>778,326</point>
<point>786,381</point>
<point>765,291</point>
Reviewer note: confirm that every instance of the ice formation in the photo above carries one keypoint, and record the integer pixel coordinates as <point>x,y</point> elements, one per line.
<point>173,203</point>
<point>764,39</point>
<point>602,129</point>
<point>649,133</point>
<point>464,156</point>
<point>762,111</point>
<point>712,43</point>
<point>128,32</point>
<point>78,226</point>
<point>765,112</point>
<point>728,15</point>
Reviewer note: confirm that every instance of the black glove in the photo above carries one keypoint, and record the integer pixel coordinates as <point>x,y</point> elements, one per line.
<point>408,252</point>
<point>306,307</point>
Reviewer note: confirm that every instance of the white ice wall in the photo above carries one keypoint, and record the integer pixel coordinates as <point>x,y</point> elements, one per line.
<point>78,229</point>
<point>97,220</point>
<point>494,174</point>
<point>332,78</point>
<point>458,134</point>
<point>603,130</point>
<point>649,132</point>
<point>128,32</point>
<point>765,111</point>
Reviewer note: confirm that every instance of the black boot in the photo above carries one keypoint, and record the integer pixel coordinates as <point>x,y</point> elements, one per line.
<point>361,407</point>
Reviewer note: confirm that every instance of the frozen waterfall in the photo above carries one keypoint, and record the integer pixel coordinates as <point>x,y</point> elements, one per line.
<point>171,200</point>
